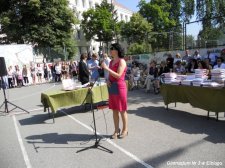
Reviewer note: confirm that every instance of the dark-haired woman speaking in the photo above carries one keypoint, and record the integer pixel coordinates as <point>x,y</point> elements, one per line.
<point>117,89</point>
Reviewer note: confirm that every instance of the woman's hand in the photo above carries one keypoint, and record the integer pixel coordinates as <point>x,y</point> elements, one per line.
<point>104,66</point>
<point>108,83</point>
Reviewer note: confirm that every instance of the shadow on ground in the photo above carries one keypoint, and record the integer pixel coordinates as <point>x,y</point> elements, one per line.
<point>162,159</point>
<point>185,122</point>
<point>42,118</point>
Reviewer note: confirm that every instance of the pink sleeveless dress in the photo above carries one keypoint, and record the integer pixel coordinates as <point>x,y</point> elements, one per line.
<point>118,101</point>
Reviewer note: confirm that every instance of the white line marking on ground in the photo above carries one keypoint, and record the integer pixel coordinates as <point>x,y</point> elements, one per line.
<point>25,156</point>
<point>33,93</point>
<point>23,112</point>
<point>111,142</point>
<point>37,109</point>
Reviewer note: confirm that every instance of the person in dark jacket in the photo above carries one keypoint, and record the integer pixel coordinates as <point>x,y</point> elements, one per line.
<point>83,69</point>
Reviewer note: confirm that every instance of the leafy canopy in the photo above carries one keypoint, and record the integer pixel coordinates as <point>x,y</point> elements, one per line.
<point>40,22</point>
<point>100,23</point>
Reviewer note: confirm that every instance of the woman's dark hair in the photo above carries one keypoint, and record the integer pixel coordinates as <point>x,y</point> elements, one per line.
<point>120,50</point>
<point>203,64</point>
<point>83,56</point>
<point>220,59</point>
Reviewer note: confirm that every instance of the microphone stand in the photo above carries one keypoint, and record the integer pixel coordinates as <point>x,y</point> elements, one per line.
<point>97,141</point>
<point>6,102</point>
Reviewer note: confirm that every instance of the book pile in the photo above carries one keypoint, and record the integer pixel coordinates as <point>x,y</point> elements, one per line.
<point>170,77</point>
<point>201,73</point>
<point>197,81</point>
<point>218,75</point>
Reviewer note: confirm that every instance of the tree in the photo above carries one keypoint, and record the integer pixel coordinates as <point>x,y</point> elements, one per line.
<point>212,15</point>
<point>43,23</point>
<point>157,12</point>
<point>139,48</point>
<point>137,30</point>
<point>100,23</point>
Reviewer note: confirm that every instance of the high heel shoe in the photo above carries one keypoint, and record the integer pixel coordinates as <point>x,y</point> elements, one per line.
<point>123,135</point>
<point>116,135</point>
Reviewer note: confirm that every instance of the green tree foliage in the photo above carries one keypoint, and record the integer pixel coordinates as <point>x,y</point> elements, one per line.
<point>100,23</point>
<point>137,30</point>
<point>157,12</point>
<point>212,14</point>
<point>187,10</point>
<point>43,23</point>
<point>137,48</point>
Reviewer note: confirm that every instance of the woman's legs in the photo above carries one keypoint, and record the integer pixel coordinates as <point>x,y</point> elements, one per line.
<point>125,121</point>
<point>116,120</point>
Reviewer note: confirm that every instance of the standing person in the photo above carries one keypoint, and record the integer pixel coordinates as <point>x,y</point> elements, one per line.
<point>83,69</point>
<point>117,89</point>
<point>58,71</point>
<point>93,66</point>
<point>25,77</point>
<point>46,69</point>
<point>10,77</point>
<point>106,60</point>
<point>32,71</point>
<point>39,73</point>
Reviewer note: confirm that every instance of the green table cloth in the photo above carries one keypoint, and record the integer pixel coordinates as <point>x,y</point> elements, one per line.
<point>210,99</point>
<point>60,98</point>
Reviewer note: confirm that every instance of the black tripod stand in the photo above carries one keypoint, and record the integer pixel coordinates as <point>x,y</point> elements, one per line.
<point>97,141</point>
<point>6,102</point>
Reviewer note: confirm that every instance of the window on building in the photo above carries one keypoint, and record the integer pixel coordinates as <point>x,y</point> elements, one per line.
<point>126,18</point>
<point>90,4</point>
<point>76,2</point>
<point>121,16</point>
<point>83,2</point>
<point>78,34</point>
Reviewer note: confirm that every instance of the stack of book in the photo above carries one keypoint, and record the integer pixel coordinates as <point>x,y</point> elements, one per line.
<point>218,75</point>
<point>201,73</point>
<point>169,77</point>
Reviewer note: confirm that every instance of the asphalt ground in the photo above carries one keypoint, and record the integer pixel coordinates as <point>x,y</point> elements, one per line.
<point>180,137</point>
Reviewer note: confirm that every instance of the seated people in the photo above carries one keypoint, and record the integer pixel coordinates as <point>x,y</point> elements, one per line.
<point>202,65</point>
<point>196,55</point>
<point>208,66</point>
<point>163,68</point>
<point>152,77</point>
<point>135,75</point>
<point>177,58</point>
<point>187,57</point>
<point>170,61</point>
<point>192,66</point>
<point>179,68</point>
<point>144,74</point>
<point>219,63</point>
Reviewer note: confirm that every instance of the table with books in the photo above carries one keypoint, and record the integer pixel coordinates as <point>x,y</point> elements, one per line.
<point>61,98</point>
<point>204,94</point>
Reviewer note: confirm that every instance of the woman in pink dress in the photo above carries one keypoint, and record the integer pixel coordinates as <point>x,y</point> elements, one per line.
<point>117,89</point>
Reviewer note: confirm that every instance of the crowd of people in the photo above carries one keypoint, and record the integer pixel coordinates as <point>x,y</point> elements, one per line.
<point>88,69</point>
<point>37,73</point>
<point>147,76</point>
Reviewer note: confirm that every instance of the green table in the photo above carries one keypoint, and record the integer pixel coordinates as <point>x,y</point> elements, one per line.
<point>210,99</point>
<point>60,98</point>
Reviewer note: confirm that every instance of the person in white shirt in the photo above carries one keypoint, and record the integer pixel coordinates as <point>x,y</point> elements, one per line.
<point>106,60</point>
<point>58,71</point>
<point>196,55</point>
<point>220,64</point>
<point>10,77</point>
<point>187,57</point>
<point>210,55</point>
<point>39,73</point>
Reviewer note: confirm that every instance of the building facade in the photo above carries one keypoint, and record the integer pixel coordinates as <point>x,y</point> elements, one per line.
<point>79,6</point>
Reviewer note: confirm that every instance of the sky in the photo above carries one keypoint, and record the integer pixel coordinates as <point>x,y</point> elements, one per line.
<point>192,29</point>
